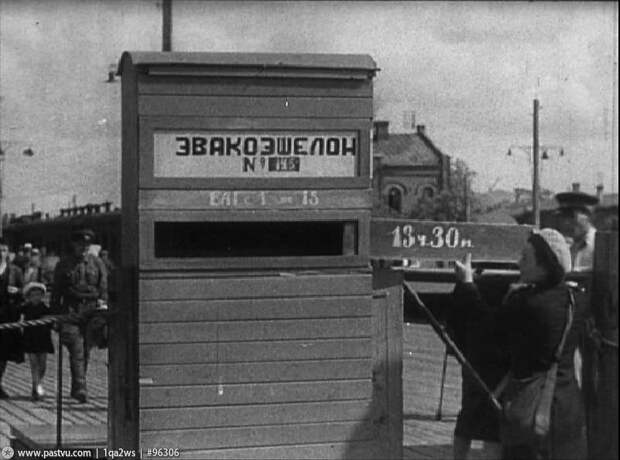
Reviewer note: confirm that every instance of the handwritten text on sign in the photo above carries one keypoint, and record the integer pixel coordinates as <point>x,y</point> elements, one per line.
<point>406,238</point>
<point>262,199</point>
<point>265,154</point>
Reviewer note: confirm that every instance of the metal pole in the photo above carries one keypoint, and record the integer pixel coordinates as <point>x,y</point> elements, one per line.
<point>59,394</point>
<point>467,203</point>
<point>535,176</point>
<point>167,25</point>
<point>1,184</point>
<point>443,382</point>
<point>453,348</point>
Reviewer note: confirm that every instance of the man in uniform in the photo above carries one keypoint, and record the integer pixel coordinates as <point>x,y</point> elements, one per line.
<point>79,289</point>
<point>574,222</point>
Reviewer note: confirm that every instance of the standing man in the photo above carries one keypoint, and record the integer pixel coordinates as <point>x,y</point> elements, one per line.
<point>22,259</point>
<point>575,211</point>
<point>79,289</point>
<point>574,222</point>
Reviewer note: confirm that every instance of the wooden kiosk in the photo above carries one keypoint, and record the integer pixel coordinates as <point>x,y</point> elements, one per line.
<point>246,328</point>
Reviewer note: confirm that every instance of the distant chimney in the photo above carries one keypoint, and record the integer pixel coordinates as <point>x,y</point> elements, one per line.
<point>599,192</point>
<point>381,131</point>
<point>421,129</point>
<point>576,186</point>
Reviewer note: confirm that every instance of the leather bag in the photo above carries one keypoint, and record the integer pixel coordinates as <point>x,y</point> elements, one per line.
<point>526,403</point>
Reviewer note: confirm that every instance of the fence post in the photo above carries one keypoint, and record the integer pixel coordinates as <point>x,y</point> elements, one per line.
<point>602,397</point>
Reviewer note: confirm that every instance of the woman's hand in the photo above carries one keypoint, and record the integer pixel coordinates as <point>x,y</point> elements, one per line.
<point>12,289</point>
<point>463,270</point>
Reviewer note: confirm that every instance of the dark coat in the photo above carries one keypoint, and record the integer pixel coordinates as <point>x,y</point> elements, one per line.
<point>37,339</point>
<point>471,322</point>
<point>11,348</point>
<point>530,324</point>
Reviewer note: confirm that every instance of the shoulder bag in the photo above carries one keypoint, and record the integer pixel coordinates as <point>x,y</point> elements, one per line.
<point>526,403</point>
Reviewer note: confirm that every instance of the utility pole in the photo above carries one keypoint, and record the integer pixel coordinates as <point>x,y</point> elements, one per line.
<point>466,197</point>
<point>533,154</point>
<point>535,178</point>
<point>166,25</point>
<point>1,184</point>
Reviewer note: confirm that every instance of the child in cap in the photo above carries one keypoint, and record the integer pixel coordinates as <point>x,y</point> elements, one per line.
<point>37,340</point>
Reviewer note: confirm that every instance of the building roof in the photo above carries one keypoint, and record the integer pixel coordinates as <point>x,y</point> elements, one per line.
<point>257,62</point>
<point>412,149</point>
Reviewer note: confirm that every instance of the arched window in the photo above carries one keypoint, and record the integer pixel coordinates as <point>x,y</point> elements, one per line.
<point>428,193</point>
<point>395,199</point>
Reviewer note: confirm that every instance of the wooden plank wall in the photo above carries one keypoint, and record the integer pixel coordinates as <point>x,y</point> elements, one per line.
<point>278,367</point>
<point>388,318</point>
<point>239,361</point>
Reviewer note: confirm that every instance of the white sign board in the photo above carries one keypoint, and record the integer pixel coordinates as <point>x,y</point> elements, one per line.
<point>255,154</point>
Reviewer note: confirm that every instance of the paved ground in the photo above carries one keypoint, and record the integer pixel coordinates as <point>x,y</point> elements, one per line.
<point>424,436</point>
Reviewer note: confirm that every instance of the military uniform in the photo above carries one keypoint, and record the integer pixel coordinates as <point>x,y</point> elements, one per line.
<point>570,205</point>
<point>80,285</point>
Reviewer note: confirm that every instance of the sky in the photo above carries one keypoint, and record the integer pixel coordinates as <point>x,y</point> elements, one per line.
<point>469,71</point>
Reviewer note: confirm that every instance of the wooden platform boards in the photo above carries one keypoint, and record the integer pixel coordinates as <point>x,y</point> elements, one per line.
<point>43,437</point>
<point>34,423</point>
<point>424,436</point>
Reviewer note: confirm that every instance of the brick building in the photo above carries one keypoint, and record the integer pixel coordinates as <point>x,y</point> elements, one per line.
<point>407,167</point>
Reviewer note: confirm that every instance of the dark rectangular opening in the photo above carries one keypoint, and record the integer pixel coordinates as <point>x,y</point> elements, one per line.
<point>254,239</point>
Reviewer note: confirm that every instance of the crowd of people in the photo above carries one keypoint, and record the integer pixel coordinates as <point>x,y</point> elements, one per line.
<point>34,285</point>
<point>515,333</point>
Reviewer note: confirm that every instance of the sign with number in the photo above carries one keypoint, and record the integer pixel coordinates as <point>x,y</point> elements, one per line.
<point>261,154</point>
<point>401,238</point>
<point>270,199</point>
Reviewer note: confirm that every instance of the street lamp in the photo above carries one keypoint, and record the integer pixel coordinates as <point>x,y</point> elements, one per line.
<point>534,149</point>
<point>547,152</point>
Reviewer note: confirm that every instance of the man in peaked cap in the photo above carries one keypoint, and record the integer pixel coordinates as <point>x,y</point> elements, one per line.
<point>575,211</point>
<point>79,288</point>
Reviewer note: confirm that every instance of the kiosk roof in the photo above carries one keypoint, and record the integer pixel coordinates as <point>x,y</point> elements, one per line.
<point>333,62</point>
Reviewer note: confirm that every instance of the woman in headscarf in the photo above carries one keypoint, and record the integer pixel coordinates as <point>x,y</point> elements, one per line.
<point>530,324</point>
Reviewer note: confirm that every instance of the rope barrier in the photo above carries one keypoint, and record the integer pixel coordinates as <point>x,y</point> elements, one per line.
<point>33,322</point>
<point>44,321</point>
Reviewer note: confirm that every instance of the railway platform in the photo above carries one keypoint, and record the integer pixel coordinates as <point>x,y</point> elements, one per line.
<point>33,424</point>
